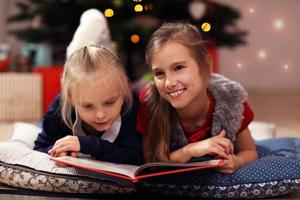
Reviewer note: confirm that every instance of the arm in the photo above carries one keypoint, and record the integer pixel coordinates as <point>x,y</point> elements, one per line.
<point>217,145</point>
<point>125,149</point>
<point>245,152</point>
<point>53,128</point>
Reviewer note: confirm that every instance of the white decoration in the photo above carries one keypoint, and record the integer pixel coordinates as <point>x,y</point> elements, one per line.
<point>262,130</point>
<point>93,29</point>
<point>196,9</point>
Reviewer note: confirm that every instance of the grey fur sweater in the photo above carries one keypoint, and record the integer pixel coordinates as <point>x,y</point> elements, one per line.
<point>228,113</point>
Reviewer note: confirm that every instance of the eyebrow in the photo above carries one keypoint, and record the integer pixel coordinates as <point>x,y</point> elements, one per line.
<point>113,97</point>
<point>107,99</point>
<point>173,64</point>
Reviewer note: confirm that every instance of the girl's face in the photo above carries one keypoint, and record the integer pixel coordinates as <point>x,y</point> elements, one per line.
<point>178,77</point>
<point>97,103</point>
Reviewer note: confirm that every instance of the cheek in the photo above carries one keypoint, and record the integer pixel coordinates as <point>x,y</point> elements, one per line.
<point>159,84</point>
<point>85,115</point>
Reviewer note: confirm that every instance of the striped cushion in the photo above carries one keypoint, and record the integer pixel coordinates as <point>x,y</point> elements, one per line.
<point>275,173</point>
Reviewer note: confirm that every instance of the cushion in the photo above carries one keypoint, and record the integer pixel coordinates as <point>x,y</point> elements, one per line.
<point>25,168</point>
<point>25,133</point>
<point>276,172</point>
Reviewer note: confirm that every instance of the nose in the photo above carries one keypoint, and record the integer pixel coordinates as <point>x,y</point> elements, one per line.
<point>170,82</point>
<point>99,115</point>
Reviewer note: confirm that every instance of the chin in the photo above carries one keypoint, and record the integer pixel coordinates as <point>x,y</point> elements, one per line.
<point>102,128</point>
<point>178,105</point>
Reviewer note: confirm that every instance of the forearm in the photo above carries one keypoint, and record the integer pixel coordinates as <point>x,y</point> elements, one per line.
<point>187,152</point>
<point>110,152</point>
<point>180,155</point>
<point>247,156</point>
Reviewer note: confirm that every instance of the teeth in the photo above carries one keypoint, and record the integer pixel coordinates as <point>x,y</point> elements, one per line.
<point>176,93</point>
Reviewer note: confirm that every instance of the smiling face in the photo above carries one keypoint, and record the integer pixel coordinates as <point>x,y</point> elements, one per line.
<point>178,77</point>
<point>98,103</point>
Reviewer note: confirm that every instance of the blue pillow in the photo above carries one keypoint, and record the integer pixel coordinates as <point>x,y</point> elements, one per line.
<point>276,172</point>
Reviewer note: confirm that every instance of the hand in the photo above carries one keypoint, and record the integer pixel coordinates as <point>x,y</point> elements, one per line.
<point>64,145</point>
<point>231,164</point>
<point>217,145</point>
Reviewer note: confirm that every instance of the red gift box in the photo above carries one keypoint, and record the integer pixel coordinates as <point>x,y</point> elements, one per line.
<point>51,77</point>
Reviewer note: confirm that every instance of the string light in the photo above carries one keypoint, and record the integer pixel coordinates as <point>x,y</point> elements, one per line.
<point>278,24</point>
<point>109,12</point>
<point>135,38</point>
<point>138,8</point>
<point>286,67</point>
<point>239,65</point>
<point>251,10</point>
<point>262,54</point>
<point>206,26</point>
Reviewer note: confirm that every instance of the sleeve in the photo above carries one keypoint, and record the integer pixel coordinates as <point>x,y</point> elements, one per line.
<point>53,128</point>
<point>142,117</point>
<point>127,148</point>
<point>248,116</point>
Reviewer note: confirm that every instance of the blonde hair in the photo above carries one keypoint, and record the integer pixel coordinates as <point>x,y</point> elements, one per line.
<point>162,119</point>
<point>91,63</point>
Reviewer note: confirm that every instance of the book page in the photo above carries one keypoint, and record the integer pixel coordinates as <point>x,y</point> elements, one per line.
<point>175,166</point>
<point>96,165</point>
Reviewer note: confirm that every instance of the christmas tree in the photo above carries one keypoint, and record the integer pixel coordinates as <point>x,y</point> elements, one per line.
<point>131,23</point>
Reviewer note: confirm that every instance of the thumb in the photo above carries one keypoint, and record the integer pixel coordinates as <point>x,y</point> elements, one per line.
<point>222,133</point>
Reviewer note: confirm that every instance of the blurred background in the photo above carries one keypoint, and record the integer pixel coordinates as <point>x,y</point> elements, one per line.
<point>255,42</point>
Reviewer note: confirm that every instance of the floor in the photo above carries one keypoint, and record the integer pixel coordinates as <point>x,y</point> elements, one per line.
<point>279,107</point>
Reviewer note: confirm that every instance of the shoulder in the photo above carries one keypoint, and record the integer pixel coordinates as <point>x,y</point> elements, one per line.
<point>54,107</point>
<point>224,88</point>
<point>142,94</point>
<point>248,116</point>
<point>129,110</point>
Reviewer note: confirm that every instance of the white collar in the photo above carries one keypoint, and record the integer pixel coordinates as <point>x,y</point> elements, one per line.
<point>109,135</point>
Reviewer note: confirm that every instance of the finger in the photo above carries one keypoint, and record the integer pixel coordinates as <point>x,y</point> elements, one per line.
<point>66,149</point>
<point>61,145</point>
<point>220,151</point>
<point>74,154</point>
<point>51,151</point>
<point>222,133</point>
<point>226,143</point>
<point>60,164</point>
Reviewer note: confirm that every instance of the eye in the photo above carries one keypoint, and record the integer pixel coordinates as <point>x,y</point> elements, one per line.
<point>87,106</point>
<point>110,102</point>
<point>158,74</point>
<point>179,67</point>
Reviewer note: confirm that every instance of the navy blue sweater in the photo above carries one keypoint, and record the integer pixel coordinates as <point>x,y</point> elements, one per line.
<point>125,149</point>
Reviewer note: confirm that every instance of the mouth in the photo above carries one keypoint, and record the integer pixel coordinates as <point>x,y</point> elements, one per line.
<point>101,123</point>
<point>176,93</point>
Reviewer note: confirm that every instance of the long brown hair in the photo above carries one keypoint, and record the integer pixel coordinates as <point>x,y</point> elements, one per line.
<point>162,114</point>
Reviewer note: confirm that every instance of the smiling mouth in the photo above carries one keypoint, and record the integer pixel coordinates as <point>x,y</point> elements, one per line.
<point>176,93</point>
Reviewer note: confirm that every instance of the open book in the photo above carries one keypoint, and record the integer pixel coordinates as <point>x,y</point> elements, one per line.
<point>133,172</point>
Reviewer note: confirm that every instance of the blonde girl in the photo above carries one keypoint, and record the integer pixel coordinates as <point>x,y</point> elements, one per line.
<point>95,113</point>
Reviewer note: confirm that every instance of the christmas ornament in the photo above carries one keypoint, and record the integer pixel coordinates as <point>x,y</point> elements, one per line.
<point>197,9</point>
